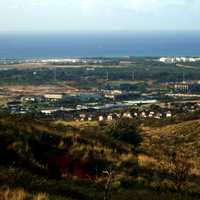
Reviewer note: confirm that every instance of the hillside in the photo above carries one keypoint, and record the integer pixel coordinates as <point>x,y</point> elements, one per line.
<point>173,148</point>
<point>185,135</point>
<point>62,160</point>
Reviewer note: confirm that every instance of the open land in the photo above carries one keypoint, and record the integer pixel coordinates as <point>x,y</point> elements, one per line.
<point>100,128</point>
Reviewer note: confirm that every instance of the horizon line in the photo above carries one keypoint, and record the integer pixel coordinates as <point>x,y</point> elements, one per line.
<point>95,31</point>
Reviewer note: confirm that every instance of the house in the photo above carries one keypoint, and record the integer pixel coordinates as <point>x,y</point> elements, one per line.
<point>158,116</point>
<point>151,114</point>
<point>110,117</point>
<point>143,114</point>
<point>28,99</point>
<point>82,117</point>
<point>90,118</point>
<point>22,111</point>
<point>47,112</point>
<point>101,118</point>
<point>168,114</point>
<point>117,115</point>
<point>127,115</point>
<point>111,94</point>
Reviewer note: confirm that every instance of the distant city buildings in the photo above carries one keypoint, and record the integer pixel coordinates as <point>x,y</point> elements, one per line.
<point>178,59</point>
<point>190,87</point>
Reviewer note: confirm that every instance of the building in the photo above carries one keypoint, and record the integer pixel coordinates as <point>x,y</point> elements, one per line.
<point>89,118</point>
<point>53,97</point>
<point>158,116</point>
<point>111,94</point>
<point>151,114</point>
<point>82,117</point>
<point>28,99</point>
<point>47,112</point>
<point>110,117</point>
<point>181,87</point>
<point>101,118</point>
<point>168,114</point>
<point>125,62</point>
<point>118,115</point>
<point>127,115</point>
<point>178,59</point>
<point>143,114</point>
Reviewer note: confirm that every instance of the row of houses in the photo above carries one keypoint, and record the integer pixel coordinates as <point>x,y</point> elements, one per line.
<point>105,117</point>
<point>114,116</point>
<point>95,115</point>
<point>156,115</point>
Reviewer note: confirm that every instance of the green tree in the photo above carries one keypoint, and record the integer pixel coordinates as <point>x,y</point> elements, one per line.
<point>126,130</point>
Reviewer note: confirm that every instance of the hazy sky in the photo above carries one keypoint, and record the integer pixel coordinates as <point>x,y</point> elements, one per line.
<point>63,15</point>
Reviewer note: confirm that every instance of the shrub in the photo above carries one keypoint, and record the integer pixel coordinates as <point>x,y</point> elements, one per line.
<point>126,130</point>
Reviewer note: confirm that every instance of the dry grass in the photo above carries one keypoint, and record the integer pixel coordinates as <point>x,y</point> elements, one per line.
<point>79,124</point>
<point>145,160</point>
<point>184,128</point>
<point>39,90</point>
<point>12,194</point>
<point>41,196</point>
<point>7,193</point>
<point>187,135</point>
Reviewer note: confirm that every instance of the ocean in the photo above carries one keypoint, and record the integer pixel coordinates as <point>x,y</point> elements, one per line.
<point>24,45</point>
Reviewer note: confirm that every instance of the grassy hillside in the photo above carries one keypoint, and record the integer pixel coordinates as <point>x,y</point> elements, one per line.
<point>119,160</point>
<point>174,149</point>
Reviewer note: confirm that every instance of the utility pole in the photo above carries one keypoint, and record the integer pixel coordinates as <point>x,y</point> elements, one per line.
<point>107,76</point>
<point>133,76</point>
<point>183,77</point>
<point>55,74</point>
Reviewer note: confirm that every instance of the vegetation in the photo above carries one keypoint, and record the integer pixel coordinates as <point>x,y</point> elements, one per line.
<point>126,130</point>
<point>48,159</point>
<point>19,194</point>
<point>144,69</point>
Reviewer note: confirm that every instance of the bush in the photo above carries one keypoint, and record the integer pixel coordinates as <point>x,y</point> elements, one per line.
<point>126,130</point>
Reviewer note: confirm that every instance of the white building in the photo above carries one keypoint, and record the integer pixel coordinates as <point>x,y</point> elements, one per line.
<point>169,114</point>
<point>143,114</point>
<point>89,118</point>
<point>101,118</point>
<point>47,112</point>
<point>118,115</point>
<point>28,99</point>
<point>82,117</point>
<point>53,97</point>
<point>109,117</point>
<point>151,114</point>
<point>158,116</point>
<point>127,115</point>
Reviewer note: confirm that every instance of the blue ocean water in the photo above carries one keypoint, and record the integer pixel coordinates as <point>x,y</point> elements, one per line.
<point>93,44</point>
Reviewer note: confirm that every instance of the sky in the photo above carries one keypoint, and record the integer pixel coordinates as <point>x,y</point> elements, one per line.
<point>99,15</point>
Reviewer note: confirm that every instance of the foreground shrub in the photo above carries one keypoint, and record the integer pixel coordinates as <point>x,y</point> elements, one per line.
<point>126,130</point>
<point>7,193</point>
